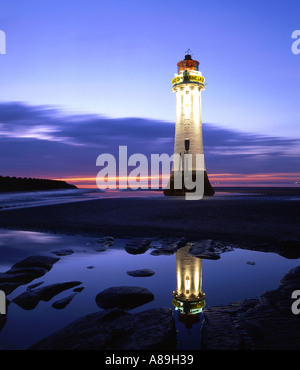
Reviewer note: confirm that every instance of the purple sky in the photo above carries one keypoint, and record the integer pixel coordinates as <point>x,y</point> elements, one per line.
<point>82,77</point>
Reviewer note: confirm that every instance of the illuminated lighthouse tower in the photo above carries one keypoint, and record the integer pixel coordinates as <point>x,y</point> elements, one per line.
<point>188,84</point>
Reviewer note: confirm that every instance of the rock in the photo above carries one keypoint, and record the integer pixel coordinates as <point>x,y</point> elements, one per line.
<point>161,252</point>
<point>250,263</point>
<point>168,247</point>
<point>266,323</point>
<point>116,330</point>
<point>23,272</point>
<point>36,261</point>
<point>33,286</point>
<point>30,298</point>
<point>78,290</point>
<point>289,248</point>
<point>125,297</point>
<point>63,252</point>
<point>104,243</point>
<point>62,303</point>
<point>137,246</point>
<point>107,239</point>
<point>90,267</point>
<point>8,288</point>
<point>208,249</point>
<point>141,273</point>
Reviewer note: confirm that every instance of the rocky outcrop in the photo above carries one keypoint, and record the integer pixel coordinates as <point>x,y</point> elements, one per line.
<point>266,323</point>
<point>116,330</point>
<point>125,297</point>
<point>30,298</point>
<point>23,272</point>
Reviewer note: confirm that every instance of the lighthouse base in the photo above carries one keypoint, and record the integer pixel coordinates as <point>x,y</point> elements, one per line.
<point>171,191</point>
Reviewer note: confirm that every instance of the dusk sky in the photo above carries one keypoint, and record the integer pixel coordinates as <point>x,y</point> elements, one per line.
<point>79,78</point>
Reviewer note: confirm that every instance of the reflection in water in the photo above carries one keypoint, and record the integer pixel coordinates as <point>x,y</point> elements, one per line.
<point>188,297</point>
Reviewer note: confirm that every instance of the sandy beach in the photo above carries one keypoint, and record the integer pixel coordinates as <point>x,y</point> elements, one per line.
<point>263,215</point>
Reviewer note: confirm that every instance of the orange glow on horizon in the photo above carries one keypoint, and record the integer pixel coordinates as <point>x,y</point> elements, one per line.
<point>234,179</point>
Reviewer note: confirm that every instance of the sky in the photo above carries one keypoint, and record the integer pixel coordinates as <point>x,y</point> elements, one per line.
<point>79,78</point>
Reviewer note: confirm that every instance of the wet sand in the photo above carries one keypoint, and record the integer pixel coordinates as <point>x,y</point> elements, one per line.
<point>263,215</point>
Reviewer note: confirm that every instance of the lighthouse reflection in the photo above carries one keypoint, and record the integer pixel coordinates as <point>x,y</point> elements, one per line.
<point>188,299</point>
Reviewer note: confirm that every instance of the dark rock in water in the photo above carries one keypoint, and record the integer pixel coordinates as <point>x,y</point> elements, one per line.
<point>78,290</point>
<point>90,267</point>
<point>141,273</point>
<point>104,243</point>
<point>23,272</point>
<point>208,249</point>
<point>33,286</point>
<point>36,261</point>
<point>266,323</point>
<point>116,330</point>
<point>125,297</point>
<point>30,298</point>
<point>63,252</point>
<point>22,278</point>
<point>168,247</point>
<point>251,263</point>
<point>62,303</point>
<point>8,288</point>
<point>137,246</point>
<point>160,252</point>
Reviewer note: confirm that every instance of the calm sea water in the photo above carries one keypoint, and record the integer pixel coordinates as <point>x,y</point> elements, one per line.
<point>224,281</point>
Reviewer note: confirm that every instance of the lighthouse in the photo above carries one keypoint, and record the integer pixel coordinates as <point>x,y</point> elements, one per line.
<point>188,84</point>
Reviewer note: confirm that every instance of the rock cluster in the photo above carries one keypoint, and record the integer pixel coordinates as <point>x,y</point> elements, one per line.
<point>115,329</point>
<point>30,298</point>
<point>266,323</point>
<point>25,271</point>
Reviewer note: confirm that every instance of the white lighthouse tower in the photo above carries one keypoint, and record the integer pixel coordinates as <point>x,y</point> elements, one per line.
<point>188,85</point>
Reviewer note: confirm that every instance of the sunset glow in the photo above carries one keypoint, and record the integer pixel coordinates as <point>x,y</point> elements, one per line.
<point>225,179</point>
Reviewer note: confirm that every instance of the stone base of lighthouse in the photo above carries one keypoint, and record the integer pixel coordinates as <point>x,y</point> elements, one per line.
<point>208,189</point>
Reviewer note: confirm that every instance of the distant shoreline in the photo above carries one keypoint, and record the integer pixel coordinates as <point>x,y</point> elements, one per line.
<point>15,184</point>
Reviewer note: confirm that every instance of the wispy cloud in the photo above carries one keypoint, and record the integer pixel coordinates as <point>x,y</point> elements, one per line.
<point>45,141</point>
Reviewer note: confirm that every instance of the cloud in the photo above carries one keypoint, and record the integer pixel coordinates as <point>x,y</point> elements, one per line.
<point>47,142</point>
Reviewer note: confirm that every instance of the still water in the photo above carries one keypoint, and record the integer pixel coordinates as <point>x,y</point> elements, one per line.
<point>222,281</point>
